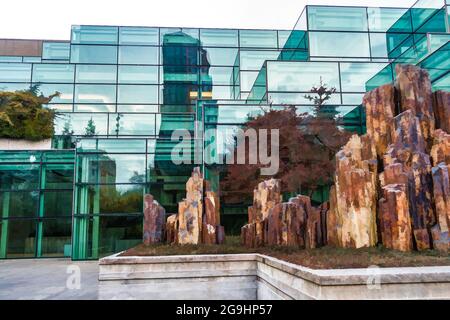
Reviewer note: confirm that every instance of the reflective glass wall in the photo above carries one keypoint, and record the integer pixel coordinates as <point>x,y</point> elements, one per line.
<point>36,192</point>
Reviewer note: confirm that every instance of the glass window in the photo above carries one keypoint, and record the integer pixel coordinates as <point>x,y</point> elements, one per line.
<point>247,80</point>
<point>10,59</point>
<point>15,72</point>
<point>138,74</point>
<point>392,19</point>
<point>337,18</point>
<point>65,92</point>
<point>53,73</point>
<point>138,35</point>
<point>19,177</point>
<point>112,168</point>
<point>56,237</point>
<point>79,122</point>
<point>57,203</point>
<point>138,55</point>
<point>95,108</point>
<point>14,86</point>
<point>352,98</point>
<point>94,35</point>
<point>258,38</point>
<point>32,59</point>
<point>253,60</point>
<point>58,176</point>
<point>355,75</point>
<point>95,74</point>
<point>339,44</point>
<point>178,36</point>
<point>218,75</point>
<point>132,124</point>
<point>19,204</point>
<point>112,146</point>
<point>301,76</point>
<point>219,38</point>
<point>378,45</point>
<point>93,54</point>
<point>21,237</point>
<point>56,50</point>
<point>222,92</point>
<point>95,93</point>
<point>137,108</point>
<point>220,56</point>
<point>137,94</point>
<point>298,98</point>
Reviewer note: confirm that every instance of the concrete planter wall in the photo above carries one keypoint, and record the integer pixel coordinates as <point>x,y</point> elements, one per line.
<point>254,276</point>
<point>19,144</point>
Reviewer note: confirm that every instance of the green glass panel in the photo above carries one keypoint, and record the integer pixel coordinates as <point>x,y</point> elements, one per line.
<point>56,50</point>
<point>220,56</point>
<point>137,108</point>
<point>10,59</point>
<point>15,72</point>
<point>378,45</point>
<point>136,94</point>
<point>138,55</point>
<point>14,86</point>
<point>138,74</point>
<point>382,77</point>
<point>65,92</point>
<point>21,239</point>
<point>56,237</point>
<point>112,146</point>
<point>258,38</point>
<point>79,122</point>
<point>355,75</point>
<point>95,74</point>
<point>95,93</point>
<point>112,168</point>
<point>392,19</point>
<point>66,156</point>
<point>57,203</point>
<point>218,75</point>
<point>218,38</point>
<point>105,199</point>
<point>94,35</point>
<point>58,176</point>
<point>93,54</point>
<point>436,23</point>
<point>19,177</point>
<point>19,204</point>
<point>301,76</point>
<point>254,59</point>
<point>247,80</point>
<point>62,73</point>
<point>337,18</point>
<point>339,44</point>
<point>138,35</point>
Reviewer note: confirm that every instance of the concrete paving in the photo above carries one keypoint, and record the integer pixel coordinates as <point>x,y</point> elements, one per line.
<point>37,279</point>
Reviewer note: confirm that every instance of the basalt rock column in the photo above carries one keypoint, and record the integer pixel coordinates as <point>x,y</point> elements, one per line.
<point>154,221</point>
<point>380,111</point>
<point>190,211</point>
<point>211,218</point>
<point>395,218</point>
<point>355,194</point>
<point>441,106</point>
<point>414,87</point>
<point>172,229</point>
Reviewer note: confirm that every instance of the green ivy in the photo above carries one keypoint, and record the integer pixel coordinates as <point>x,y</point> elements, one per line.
<point>22,115</point>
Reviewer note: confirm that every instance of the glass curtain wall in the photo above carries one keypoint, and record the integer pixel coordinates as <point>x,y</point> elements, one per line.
<point>36,190</point>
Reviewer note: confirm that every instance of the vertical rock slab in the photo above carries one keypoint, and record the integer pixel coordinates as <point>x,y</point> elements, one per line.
<point>380,111</point>
<point>414,86</point>
<point>154,221</point>
<point>356,193</point>
<point>395,223</point>
<point>333,225</point>
<point>441,107</point>
<point>211,218</point>
<point>172,229</point>
<point>265,197</point>
<point>441,189</point>
<point>440,152</point>
<point>190,211</point>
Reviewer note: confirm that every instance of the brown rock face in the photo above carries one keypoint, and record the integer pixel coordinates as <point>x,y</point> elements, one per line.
<point>441,106</point>
<point>154,221</point>
<point>354,204</point>
<point>395,219</point>
<point>414,86</point>
<point>380,110</point>
<point>441,183</point>
<point>198,218</point>
<point>440,152</point>
<point>172,229</point>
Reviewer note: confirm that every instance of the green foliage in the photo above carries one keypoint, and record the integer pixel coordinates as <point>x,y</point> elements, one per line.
<point>320,95</point>
<point>22,115</point>
<point>90,130</point>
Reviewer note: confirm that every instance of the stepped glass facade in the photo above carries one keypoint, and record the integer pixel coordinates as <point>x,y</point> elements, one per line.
<point>124,90</point>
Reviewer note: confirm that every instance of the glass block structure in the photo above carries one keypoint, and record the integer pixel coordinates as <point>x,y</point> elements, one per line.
<point>124,90</point>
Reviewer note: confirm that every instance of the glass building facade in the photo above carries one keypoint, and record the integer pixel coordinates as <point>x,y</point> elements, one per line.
<point>136,85</point>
